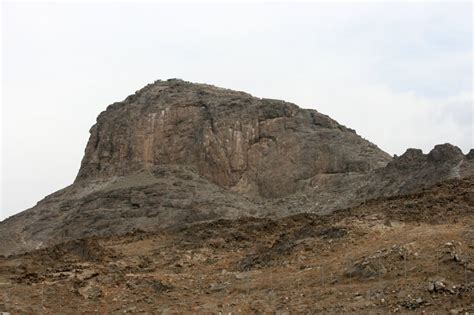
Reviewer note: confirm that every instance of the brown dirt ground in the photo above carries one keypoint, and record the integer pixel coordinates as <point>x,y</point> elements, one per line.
<point>405,254</point>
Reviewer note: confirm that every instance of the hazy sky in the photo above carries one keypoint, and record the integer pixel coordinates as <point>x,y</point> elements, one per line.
<point>400,74</point>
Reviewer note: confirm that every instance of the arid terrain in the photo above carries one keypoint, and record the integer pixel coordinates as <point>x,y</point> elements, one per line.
<point>196,199</point>
<point>401,254</point>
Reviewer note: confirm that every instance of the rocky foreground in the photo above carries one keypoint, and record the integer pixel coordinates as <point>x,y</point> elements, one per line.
<point>412,253</point>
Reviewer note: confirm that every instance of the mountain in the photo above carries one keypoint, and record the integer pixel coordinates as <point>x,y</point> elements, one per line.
<point>176,153</point>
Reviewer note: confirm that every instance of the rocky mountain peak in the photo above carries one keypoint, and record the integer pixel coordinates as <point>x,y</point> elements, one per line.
<point>445,152</point>
<point>176,153</point>
<point>255,146</point>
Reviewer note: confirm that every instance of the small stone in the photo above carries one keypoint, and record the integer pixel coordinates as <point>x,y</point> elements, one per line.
<point>439,286</point>
<point>431,287</point>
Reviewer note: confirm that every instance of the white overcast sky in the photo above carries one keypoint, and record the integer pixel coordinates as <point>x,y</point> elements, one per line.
<point>400,74</point>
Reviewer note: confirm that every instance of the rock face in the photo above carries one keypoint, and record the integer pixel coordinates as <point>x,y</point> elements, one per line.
<point>253,146</point>
<point>175,153</point>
